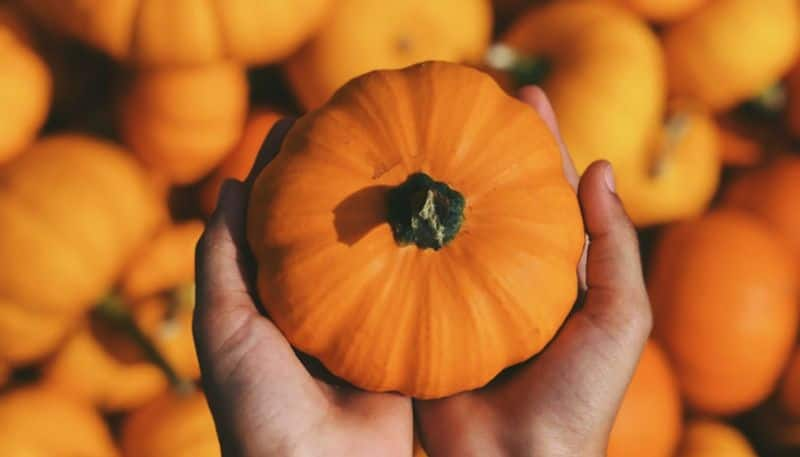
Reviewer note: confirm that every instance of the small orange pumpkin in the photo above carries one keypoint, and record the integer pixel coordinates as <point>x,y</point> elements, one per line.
<point>182,121</point>
<point>717,54</point>
<point>433,214</point>
<point>770,193</point>
<point>165,262</point>
<point>397,34</point>
<point>679,176</point>
<point>649,421</point>
<point>173,425</point>
<point>25,86</point>
<point>789,393</point>
<point>73,209</point>
<point>709,438</point>
<point>724,296</point>
<point>662,10</point>
<point>239,161</point>
<point>40,422</point>
<point>602,69</point>
<point>168,32</point>
<point>88,367</point>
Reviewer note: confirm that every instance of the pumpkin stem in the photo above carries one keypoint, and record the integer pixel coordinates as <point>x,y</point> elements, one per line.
<point>675,128</point>
<point>769,103</point>
<point>425,212</point>
<point>522,69</point>
<point>114,311</point>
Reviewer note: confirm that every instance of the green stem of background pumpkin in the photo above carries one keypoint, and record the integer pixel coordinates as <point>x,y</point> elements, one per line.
<point>770,103</point>
<point>425,212</point>
<point>522,69</point>
<point>115,312</point>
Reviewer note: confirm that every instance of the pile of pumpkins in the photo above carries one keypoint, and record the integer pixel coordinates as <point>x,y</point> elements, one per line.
<point>119,120</point>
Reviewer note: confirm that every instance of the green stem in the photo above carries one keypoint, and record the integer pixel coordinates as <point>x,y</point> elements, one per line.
<point>113,310</point>
<point>425,212</point>
<point>769,103</point>
<point>522,69</point>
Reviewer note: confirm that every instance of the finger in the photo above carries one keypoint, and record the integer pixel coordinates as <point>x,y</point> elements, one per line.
<point>270,148</point>
<point>536,98</point>
<point>616,293</point>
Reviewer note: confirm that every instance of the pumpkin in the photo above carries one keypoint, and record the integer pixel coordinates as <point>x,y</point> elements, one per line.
<point>710,438</point>
<point>169,32</point>
<point>181,121</point>
<point>789,393</point>
<point>724,296</point>
<point>168,324</point>
<point>166,262</point>
<point>173,425</point>
<point>432,212</point>
<point>73,208</point>
<point>38,422</point>
<point>679,175</point>
<point>742,144</point>
<point>716,55</point>
<point>240,159</point>
<point>399,34</point>
<point>25,86</point>
<point>602,69</point>
<point>88,367</point>
<point>769,193</point>
<point>5,373</point>
<point>662,10</point>
<point>649,421</point>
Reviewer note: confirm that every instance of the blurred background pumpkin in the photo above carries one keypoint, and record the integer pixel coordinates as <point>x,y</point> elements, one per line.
<point>120,119</point>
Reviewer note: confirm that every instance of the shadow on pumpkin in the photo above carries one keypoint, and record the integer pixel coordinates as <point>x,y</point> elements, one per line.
<point>359,213</point>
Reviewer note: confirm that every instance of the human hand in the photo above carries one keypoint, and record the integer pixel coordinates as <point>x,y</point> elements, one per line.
<point>564,401</point>
<point>264,400</point>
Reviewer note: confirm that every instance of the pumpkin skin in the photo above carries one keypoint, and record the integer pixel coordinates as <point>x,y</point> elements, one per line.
<point>724,296</point>
<point>605,79</point>
<point>769,193</point>
<point>741,144</point>
<point>166,262</point>
<point>678,177</point>
<point>716,55</point>
<point>182,121</point>
<point>172,425</point>
<point>25,87</point>
<point>73,208</point>
<point>184,32</point>
<point>662,10</point>
<point>37,421</point>
<point>789,393</point>
<point>87,368</point>
<point>391,324</point>
<point>649,421</point>
<point>239,161</point>
<point>400,34</point>
<point>709,438</point>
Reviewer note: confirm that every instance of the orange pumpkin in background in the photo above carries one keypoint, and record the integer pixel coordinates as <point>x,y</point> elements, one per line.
<point>40,422</point>
<point>662,10</point>
<point>432,212</point>
<point>168,324</point>
<point>182,121</point>
<point>240,160</point>
<point>365,35</point>
<point>770,193</point>
<point>166,262</point>
<point>183,32</point>
<point>724,296</point>
<point>25,86</point>
<point>88,367</point>
<point>742,144</point>
<point>173,425</point>
<point>710,438</point>
<point>679,176</point>
<point>74,209</point>
<point>731,50</point>
<point>789,392</point>
<point>649,421</point>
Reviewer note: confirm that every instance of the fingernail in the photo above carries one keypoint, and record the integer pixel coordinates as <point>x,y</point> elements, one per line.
<point>609,177</point>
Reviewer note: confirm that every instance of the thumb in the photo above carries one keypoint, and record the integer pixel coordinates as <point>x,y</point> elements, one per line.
<point>616,297</point>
